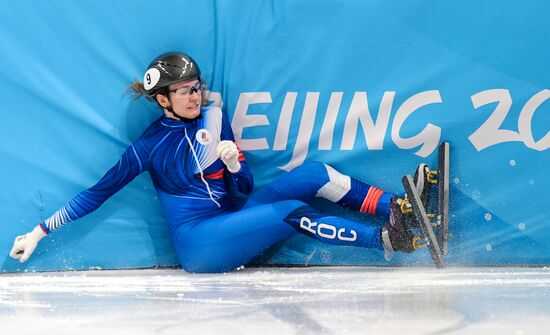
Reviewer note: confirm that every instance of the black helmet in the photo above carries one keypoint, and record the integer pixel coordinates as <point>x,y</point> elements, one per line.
<point>169,68</point>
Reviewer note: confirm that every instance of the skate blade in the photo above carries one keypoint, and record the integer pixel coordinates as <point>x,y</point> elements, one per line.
<point>388,255</point>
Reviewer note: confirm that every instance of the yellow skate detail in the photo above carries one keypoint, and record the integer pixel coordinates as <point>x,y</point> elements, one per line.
<point>432,176</point>
<point>418,242</point>
<point>405,206</point>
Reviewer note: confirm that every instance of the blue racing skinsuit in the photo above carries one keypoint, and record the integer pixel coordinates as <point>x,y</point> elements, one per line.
<point>210,233</point>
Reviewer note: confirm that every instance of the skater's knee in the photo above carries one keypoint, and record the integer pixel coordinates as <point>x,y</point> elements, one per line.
<point>309,172</point>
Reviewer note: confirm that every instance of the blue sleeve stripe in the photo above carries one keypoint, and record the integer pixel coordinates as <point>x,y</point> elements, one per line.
<point>137,159</point>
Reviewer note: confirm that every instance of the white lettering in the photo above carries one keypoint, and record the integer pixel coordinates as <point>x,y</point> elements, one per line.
<point>374,131</point>
<point>304,132</point>
<point>329,232</point>
<point>330,229</point>
<point>215,97</point>
<point>429,137</point>
<point>490,133</point>
<point>525,120</point>
<point>281,136</point>
<point>309,226</point>
<point>327,130</point>
<point>341,236</point>
<point>241,120</point>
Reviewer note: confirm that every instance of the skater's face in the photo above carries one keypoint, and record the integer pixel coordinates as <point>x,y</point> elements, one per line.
<point>185,98</point>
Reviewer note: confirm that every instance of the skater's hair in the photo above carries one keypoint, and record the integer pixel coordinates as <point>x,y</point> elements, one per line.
<point>137,89</point>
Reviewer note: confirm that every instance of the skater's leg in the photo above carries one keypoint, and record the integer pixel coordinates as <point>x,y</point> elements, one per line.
<point>226,242</point>
<point>223,243</point>
<point>334,229</point>
<point>314,179</point>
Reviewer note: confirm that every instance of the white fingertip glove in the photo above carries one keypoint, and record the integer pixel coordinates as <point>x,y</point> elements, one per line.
<point>24,245</point>
<point>229,154</point>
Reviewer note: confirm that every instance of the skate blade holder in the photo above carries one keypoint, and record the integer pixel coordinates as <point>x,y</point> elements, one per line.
<point>406,207</point>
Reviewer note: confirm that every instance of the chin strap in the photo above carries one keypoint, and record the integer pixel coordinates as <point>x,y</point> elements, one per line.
<point>181,118</point>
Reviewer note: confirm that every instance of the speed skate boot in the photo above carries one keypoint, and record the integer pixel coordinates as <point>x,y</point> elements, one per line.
<point>424,179</point>
<point>396,235</point>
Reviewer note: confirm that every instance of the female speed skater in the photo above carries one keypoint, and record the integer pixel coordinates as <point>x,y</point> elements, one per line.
<point>191,156</point>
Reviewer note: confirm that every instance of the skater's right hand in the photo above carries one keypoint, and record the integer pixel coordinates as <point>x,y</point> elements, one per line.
<point>24,245</point>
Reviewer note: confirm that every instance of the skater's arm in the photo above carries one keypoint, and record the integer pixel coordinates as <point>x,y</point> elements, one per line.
<point>124,171</point>
<point>127,168</point>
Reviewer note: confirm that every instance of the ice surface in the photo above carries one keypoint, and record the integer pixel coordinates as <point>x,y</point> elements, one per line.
<point>316,300</point>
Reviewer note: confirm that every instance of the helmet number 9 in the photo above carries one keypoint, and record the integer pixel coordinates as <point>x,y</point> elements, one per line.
<point>151,78</point>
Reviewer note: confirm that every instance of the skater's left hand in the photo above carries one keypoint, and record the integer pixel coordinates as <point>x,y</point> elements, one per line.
<point>229,154</point>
